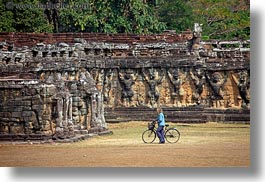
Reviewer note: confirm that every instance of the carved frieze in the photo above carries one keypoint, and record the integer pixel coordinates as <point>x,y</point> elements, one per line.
<point>57,89</point>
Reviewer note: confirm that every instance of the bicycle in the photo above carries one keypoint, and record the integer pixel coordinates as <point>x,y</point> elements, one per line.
<point>172,135</point>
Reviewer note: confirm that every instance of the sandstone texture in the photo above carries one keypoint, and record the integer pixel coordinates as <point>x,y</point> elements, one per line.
<point>60,85</point>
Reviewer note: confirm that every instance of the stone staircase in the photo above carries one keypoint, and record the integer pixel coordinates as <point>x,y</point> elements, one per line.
<point>191,114</point>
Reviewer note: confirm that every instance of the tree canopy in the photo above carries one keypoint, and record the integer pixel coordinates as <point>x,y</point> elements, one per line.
<point>111,16</point>
<point>221,19</point>
<point>176,14</point>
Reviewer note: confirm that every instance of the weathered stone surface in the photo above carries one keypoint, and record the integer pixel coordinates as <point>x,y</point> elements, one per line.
<point>55,85</point>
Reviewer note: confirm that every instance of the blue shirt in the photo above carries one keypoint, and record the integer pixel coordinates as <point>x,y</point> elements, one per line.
<point>161,119</point>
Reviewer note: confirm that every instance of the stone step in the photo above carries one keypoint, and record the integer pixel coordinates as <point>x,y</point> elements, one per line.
<point>81,132</point>
<point>176,114</point>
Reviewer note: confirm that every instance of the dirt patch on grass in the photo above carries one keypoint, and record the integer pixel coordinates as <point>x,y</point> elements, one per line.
<point>200,145</point>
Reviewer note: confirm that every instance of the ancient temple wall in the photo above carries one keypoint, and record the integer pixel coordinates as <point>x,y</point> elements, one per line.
<point>118,77</point>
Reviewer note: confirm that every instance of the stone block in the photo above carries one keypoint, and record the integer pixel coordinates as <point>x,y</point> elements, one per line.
<point>16,109</point>
<point>83,132</point>
<point>24,98</point>
<point>26,103</point>
<point>27,113</point>
<point>36,101</point>
<point>27,108</point>
<point>16,114</point>
<point>46,117</point>
<point>76,99</point>
<point>37,107</point>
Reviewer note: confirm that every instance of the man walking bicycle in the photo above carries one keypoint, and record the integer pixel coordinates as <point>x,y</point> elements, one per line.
<point>161,124</point>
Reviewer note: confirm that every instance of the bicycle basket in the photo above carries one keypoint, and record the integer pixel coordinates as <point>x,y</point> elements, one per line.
<point>151,126</point>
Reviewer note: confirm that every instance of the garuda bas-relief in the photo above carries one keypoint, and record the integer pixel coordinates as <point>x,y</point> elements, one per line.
<point>153,79</point>
<point>127,80</point>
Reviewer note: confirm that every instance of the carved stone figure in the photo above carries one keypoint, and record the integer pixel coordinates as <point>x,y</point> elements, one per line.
<point>153,82</point>
<point>126,71</point>
<point>177,79</point>
<point>72,76</point>
<point>87,81</point>
<point>217,81</point>
<point>107,85</point>
<point>57,76</point>
<point>98,120</point>
<point>49,77</point>
<point>197,33</point>
<point>199,82</point>
<point>127,79</point>
<point>63,120</point>
<point>243,84</point>
<point>98,76</point>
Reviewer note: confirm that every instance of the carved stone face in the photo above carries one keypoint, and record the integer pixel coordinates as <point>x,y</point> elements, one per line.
<point>216,78</point>
<point>127,76</point>
<point>242,79</point>
<point>152,76</point>
<point>176,75</point>
<point>199,73</point>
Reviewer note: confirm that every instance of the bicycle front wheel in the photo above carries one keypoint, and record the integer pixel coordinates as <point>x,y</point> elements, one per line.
<point>172,135</point>
<point>148,136</point>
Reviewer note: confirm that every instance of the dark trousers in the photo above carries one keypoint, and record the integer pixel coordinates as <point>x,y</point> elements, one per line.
<point>160,133</point>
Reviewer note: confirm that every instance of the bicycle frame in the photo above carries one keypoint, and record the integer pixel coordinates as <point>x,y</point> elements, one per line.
<point>171,134</point>
<point>165,128</point>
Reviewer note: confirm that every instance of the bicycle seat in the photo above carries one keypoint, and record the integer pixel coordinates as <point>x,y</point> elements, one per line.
<point>167,125</point>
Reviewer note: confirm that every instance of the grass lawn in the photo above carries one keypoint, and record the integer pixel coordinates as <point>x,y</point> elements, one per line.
<point>200,145</point>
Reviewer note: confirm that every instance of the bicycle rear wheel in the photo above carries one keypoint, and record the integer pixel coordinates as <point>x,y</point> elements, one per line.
<point>148,136</point>
<point>172,135</point>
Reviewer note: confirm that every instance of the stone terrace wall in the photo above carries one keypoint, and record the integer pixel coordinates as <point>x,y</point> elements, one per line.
<point>54,84</point>
<point>31,39</point>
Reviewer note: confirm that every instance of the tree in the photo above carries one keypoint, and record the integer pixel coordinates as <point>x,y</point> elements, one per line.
<point>223,19</point>
<point>6,18</point>
<point>176,14</point>
<point>29,17</point>
<point>23,16</point>
<point>110,16</point>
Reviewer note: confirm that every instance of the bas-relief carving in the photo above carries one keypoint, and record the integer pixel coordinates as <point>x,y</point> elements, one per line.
<point>56,105</point>
<point>242,81</point>
<point>153,79</point>
<point>198,81</point>
<point>180,87</point>
<point>178,79</point>
<point>127,79</point>
<point>216,82</point>
<point>91,80</point>
<point>107,87</point>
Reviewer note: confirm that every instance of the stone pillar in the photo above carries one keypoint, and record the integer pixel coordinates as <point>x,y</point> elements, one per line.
<point>60,112</point>
<point>94,111</point>
<point>101,111</point>
<point>88,115</point>
<point>59,124</point>
<point>65,105</point>
<point>70,112</point>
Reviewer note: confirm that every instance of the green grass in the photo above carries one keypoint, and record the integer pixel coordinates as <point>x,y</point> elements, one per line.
<point>130,133</point>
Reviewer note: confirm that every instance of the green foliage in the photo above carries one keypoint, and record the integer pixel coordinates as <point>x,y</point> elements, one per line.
<point>223,19</point>
<point>110,16</point>
<point>177,14</point>
<point>30,19</point>
<point>6,18</point>
<point>22,17</point>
